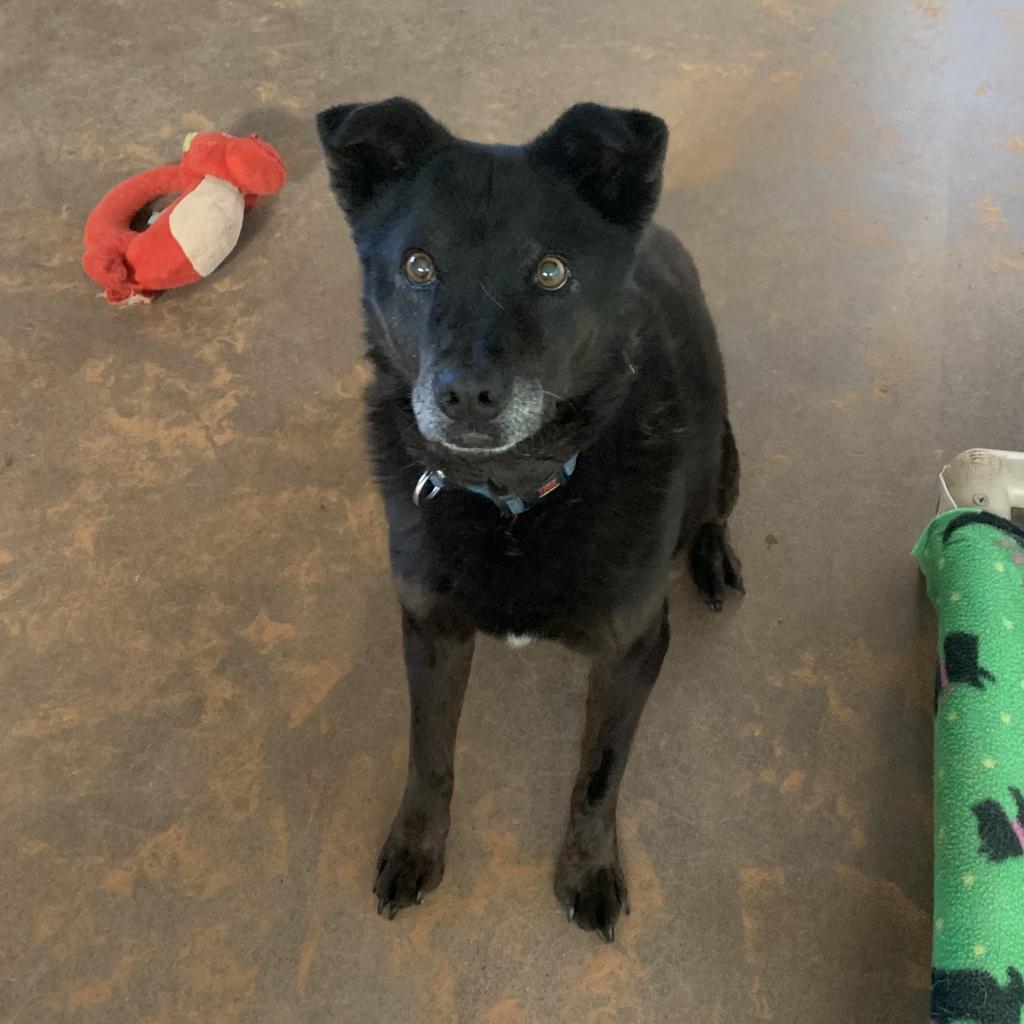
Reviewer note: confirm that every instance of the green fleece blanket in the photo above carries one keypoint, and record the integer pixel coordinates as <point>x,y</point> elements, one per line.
<point>974,563</point>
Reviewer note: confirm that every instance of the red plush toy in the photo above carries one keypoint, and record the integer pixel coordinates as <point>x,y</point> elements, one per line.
<point>219,177</point>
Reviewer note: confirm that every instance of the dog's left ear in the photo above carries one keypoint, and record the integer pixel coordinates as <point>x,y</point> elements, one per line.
<point>371,145</point>
<point>612,157</point>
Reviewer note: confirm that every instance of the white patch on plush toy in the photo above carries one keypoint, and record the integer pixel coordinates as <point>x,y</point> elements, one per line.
<point>206,223</point>
<point>139,299</point>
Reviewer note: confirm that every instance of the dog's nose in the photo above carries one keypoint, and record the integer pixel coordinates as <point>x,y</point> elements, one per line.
<point>470,393</point>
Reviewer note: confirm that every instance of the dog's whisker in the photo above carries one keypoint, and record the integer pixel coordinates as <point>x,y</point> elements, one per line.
<point>483,288</point>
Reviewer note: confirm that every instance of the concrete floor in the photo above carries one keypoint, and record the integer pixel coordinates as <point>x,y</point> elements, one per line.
<point>203,713</point>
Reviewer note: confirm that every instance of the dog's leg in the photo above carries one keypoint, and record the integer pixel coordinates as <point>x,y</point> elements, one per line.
<point>438,654</point>
<point>588,879</point>
<point>713,563</point>
<point>729,475</point>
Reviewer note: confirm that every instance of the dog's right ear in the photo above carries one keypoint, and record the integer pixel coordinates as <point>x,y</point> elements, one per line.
<point>369,146</point>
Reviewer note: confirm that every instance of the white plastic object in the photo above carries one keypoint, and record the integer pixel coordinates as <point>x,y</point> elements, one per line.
<point>984,478</point>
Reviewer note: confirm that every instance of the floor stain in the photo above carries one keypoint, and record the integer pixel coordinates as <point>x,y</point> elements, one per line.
<point>266,633</point>
<point>220,979</point>
<point>311,684</point>
<point>276,861</point>
<point>990,212</point>
<point>758,887</point>
<point>173,858</point>
<point>101,991</point>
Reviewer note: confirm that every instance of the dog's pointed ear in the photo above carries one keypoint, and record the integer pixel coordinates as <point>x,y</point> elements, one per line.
<point>371,145</point>
<point>612,157</point>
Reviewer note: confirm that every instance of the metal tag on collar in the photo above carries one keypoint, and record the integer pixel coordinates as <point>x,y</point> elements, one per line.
<point>428,486</point>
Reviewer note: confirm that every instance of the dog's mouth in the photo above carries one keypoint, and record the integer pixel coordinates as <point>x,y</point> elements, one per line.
<point>477,444</point>
<point>474,443</point>
<point>522,416</point>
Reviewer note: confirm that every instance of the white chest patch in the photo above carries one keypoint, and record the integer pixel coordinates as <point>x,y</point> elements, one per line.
<point>207,223</point>
<point>518,640</point>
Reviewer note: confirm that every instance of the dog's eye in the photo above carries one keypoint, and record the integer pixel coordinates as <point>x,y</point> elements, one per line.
<point>419,267</point>
<point>551,274</point>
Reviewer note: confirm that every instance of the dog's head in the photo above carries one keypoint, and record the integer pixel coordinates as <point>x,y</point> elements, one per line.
<point>494,275</point>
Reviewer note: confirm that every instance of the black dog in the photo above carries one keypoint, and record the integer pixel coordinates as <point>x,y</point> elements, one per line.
<point>548,422</point>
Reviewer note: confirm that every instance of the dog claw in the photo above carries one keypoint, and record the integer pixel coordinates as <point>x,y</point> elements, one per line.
<point>392,911</point>
<point>419,897</point>
<point>570,912</point>
<point>608,933</point>
<point>381,904</point>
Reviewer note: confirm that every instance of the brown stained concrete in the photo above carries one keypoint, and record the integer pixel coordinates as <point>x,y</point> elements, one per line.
<point>201,702</point>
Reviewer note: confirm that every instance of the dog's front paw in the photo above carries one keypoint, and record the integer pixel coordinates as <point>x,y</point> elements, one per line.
<point>406,869</point>
<point>592,890</point>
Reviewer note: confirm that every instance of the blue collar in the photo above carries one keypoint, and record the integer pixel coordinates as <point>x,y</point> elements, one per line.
<point>433,481</point>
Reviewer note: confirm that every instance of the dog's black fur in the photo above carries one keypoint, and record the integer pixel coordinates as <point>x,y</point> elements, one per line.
<point>621,365</point>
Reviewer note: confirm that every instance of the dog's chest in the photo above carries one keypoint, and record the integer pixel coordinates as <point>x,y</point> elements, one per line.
<point>543,574</point>
<point>519,589</point>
